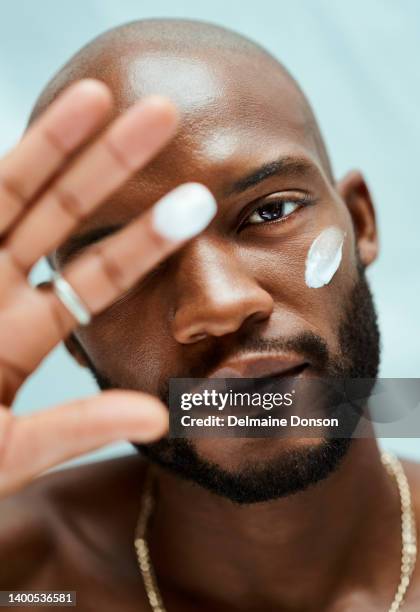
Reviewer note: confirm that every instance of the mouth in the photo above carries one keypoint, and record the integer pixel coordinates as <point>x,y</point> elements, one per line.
<point>261,373</point>
<point>261,366</point>
<point>256,374</point>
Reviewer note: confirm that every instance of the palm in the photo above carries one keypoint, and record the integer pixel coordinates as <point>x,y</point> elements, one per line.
<point>36,215</point>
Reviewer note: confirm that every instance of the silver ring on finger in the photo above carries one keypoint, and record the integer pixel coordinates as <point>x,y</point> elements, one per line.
<point>69,298</point>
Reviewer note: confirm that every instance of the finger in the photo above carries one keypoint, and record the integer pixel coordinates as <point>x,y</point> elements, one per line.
<point>69,121</point>
<point>129,143</point>
<point>32,444</point>
<point>111,267</point>
<point>101,275</point>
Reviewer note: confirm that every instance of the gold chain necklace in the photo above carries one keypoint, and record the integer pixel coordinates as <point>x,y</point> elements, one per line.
<point>408,537</point>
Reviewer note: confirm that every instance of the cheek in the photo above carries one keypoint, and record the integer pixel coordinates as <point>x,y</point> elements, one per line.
<point>330,249</point>
<point>328,265</point>
<point>126,345</point>
<point>311,275</point>
<point>328,276</point>
<point>324,257</point>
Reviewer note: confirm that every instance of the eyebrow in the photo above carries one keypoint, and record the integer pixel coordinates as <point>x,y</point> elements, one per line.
<point>284,165</point>
<point>75,244</point>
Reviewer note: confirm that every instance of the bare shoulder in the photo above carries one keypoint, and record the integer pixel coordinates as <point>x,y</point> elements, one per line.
<point>412,470</point>
<point>62,511</point>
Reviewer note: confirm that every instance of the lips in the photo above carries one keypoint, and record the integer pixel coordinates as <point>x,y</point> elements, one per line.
<point>260,366</point>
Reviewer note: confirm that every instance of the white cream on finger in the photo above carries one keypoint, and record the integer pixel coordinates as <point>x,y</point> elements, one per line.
<point>184,212</point>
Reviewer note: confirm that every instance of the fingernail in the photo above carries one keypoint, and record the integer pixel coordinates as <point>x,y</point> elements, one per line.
<point>184,212</point>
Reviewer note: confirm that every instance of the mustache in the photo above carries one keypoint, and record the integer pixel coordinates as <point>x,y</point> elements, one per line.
<point>308,345</point>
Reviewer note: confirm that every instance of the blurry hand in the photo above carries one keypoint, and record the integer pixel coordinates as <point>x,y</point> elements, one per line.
<point>44,195</point>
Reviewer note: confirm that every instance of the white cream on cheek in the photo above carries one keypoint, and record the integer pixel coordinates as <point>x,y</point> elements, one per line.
<point>324,257</point>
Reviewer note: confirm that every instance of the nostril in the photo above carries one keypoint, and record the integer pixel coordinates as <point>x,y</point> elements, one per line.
<point>197,337</point>
<point>257,317</point>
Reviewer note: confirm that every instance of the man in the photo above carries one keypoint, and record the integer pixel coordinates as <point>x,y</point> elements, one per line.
<point>308,524</point>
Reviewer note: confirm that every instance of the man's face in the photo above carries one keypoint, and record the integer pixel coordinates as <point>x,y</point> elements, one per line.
<point>237,293</point>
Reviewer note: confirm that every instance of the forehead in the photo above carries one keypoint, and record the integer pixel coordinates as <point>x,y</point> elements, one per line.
<point>224,100</point>
<point>238,112</point>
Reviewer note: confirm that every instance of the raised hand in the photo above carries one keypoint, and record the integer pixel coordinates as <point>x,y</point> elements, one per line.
<point>46,190</point>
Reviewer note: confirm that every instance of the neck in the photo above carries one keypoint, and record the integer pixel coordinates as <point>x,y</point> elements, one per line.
<point>297,552</point>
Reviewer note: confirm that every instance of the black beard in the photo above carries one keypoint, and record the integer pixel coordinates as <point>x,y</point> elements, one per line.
<point>295,469</point>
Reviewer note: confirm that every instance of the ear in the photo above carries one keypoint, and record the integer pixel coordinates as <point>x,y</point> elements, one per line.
<point>75,349</point>
<point>355,193</point>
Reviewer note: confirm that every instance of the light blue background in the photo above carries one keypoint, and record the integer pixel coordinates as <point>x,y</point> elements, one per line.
<point>357,62</point>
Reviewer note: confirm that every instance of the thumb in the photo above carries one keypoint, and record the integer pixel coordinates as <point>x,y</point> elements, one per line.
<point>32,444</point>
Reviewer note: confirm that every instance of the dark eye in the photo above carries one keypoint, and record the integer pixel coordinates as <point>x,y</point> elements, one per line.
<point>272,211</point>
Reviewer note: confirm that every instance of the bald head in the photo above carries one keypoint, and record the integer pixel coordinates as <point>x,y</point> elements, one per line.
<point>206,70</point>
<point>239,288</point>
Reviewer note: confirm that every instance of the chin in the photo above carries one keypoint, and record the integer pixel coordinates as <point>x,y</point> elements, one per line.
<point>238,454</point>
<point>247,470</point>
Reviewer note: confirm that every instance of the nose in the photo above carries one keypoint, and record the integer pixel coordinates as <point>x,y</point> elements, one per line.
<point>216,294</point>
